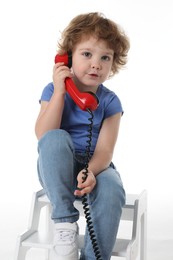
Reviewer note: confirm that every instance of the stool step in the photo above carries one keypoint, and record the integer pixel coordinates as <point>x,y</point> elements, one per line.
<point>130,200</point>
<point>42,240</point>
<point>38,240</point>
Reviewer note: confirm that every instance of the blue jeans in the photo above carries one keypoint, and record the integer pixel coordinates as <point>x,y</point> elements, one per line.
<point>58,166</point>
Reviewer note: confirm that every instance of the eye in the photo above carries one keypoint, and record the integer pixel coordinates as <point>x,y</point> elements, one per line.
<point>106,58</point>
<point>86,54</point>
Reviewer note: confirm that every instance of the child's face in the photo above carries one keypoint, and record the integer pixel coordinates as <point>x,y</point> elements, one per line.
<point>92,63</point>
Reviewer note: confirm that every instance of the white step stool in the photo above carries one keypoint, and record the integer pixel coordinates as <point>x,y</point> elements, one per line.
<point>135,210</point>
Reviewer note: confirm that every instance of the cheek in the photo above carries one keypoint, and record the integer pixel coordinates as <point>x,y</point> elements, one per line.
<point>78,69</point>
<point>108,71</point>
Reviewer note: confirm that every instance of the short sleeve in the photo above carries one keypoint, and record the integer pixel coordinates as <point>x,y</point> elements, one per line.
<point>110,103</point>
<point>113,106</point>
<point>47,93</point>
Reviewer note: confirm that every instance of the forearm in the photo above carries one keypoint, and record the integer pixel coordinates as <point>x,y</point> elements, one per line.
<point>50,117</point>
<point>103,153</point>
<point>100,161</point>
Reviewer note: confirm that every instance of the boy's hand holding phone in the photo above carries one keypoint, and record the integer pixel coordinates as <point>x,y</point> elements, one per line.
<point>60,73</point>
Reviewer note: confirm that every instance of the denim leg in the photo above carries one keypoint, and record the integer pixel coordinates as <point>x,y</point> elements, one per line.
<point>56,174</point>
<point>106,202</point>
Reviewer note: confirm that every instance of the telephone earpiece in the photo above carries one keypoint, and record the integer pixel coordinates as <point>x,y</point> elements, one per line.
<point>66,58</point>
<point>85,100</point>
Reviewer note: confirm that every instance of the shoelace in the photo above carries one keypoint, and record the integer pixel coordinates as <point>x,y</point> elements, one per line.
<point>65,236</point>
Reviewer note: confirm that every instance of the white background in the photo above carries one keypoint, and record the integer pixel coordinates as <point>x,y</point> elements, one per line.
<point>29,33</point>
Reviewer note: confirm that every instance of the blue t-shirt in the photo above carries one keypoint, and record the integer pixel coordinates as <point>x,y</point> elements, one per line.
<point>75,121</point>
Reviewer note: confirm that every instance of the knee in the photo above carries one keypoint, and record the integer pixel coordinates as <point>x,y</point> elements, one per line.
<point>54,140</point>
<point>119,197</point>
<point>110,187</point>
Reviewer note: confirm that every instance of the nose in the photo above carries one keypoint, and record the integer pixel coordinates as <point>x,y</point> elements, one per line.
<point>96,65</point>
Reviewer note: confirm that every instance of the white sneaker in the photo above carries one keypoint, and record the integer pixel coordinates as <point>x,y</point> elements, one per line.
<point>65,244</point>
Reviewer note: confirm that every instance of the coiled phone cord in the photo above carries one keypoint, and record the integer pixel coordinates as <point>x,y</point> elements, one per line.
<point>84,197</point>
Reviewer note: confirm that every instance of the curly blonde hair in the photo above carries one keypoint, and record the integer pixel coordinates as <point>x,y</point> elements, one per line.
<point>95,24</point>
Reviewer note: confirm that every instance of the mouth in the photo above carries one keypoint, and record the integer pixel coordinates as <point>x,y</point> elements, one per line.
<point>93,75</point>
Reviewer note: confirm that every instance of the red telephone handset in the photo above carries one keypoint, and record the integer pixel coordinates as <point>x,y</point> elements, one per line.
<point>85,100</point>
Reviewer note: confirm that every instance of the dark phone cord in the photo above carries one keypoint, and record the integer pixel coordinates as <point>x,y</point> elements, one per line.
<point>84,197</point>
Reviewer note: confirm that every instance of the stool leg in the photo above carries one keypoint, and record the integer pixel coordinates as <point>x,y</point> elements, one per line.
<point>21,252</point>
<point>143,252</point>
<point>47,254</point>
<point>49,227</point>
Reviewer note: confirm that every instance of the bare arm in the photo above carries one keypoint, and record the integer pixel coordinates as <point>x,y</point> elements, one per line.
<point>103,154</point>
<point>50,114</point>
